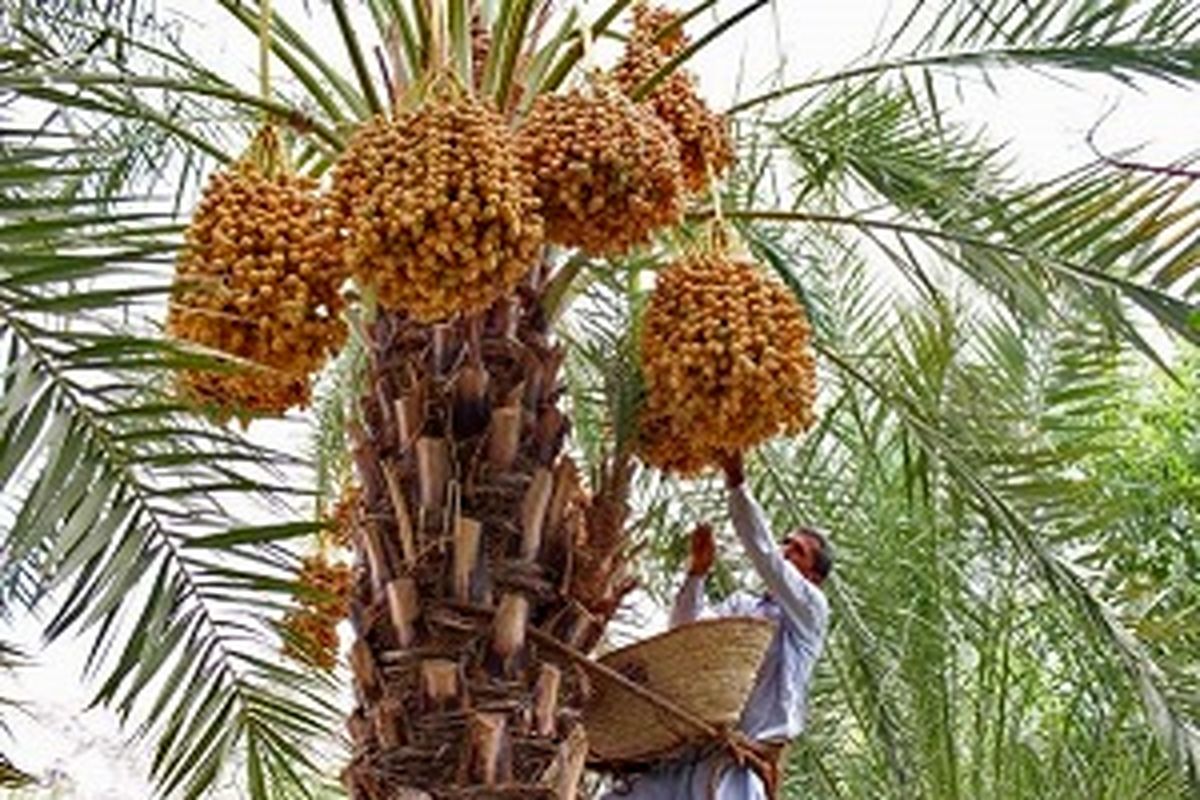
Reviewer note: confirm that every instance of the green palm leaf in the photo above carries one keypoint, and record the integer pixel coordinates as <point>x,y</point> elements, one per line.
<point>120,522</point>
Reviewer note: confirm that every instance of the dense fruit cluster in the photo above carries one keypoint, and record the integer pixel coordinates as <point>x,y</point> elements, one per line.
<point>248,391</point>
<point>310,632</point>
<point>258,278</point>
<point>341,517</point>
<point>659,26</point>
<point>605,169</point>
<point>705,147</point>
<point>310,638</point>
<point>727,363</point>
<point>436,211</point>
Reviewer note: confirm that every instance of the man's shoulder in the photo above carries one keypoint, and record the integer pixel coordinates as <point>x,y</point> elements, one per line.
<point>817,618</point>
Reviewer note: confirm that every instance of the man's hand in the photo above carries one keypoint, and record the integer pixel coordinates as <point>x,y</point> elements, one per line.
<point>735,472</point>
<point>704,551</point>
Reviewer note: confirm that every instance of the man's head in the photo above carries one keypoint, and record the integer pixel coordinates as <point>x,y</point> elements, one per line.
<point>810,552</point>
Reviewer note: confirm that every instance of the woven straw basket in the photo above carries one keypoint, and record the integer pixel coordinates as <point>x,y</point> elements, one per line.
<point>707,668</point>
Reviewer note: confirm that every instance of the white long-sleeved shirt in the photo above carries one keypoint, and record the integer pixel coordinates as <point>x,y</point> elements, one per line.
<point>777,703</point>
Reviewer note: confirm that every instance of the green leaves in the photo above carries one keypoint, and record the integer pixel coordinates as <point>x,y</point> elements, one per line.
<point>1123,41</point>
<point>1074,24</point>
<point>603,362</point>
<point>1096,231</point>
<point>948,466</point>
<point>255,535</point>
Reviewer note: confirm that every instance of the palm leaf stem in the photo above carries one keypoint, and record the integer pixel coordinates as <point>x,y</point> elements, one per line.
<point>1185,60</point>
<point>1175,314</point>
<point>289,47</point>
<point>513,35</point>
<point>413,48</point>
<point>357,60</point>
<point>575,52</point>
<point>291,116</point>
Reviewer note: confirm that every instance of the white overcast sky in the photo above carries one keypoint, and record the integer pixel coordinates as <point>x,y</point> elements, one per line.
<point>1043,119</point>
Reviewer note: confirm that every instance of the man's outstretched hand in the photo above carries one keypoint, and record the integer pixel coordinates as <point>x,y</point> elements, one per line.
<point>704,551</point>
<point>735,472</point>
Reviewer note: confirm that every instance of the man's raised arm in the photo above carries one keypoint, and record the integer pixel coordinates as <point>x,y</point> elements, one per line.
<point>800,600</point>
<point>689,603</point>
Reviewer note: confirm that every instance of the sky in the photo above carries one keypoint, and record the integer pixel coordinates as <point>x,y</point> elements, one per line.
<point>1043,121</point>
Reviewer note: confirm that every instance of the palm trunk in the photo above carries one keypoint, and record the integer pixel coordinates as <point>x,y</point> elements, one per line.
<point>473,528</point>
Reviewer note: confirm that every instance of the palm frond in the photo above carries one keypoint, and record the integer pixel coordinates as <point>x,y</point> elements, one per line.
<point>603,364</point>
<point>934,197</point>
<point>336,393</point>
<point>1126,42</point>
<point>1076,23</point>
<point>119,503</point>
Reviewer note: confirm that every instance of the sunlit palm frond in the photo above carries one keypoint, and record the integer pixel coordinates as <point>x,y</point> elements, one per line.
<point>877,140</point>
<point>603,365</point>
<point>1126,42</point>
<point>1077,23</point>
<point>910,188</point>
<point>333,409</point>
<point>121,505</point>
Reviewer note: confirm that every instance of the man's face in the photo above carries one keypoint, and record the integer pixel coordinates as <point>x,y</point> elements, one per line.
<point>801,550</point>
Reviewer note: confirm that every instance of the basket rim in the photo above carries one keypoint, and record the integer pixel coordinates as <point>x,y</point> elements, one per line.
<point>758,628</point>
<point>739,619</point>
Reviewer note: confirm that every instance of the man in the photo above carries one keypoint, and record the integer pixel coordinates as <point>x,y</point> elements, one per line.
<point>793,573</point>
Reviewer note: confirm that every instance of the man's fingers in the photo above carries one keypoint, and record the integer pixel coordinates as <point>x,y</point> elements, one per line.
<point>731,464</point>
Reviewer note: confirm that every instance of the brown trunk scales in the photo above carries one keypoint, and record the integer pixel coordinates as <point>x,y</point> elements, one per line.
<point>469,503</point>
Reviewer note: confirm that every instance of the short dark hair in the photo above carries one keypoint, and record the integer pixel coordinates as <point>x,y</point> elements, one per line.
<point>823,564</point>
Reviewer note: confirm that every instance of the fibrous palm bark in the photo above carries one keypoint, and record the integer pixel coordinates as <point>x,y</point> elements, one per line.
<point>476,546</point>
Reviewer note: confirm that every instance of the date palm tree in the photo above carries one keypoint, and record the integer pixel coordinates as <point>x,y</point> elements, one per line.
<point>964,319</point>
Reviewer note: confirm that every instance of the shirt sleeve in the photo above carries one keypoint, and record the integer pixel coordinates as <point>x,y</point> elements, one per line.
<point>739,604</point>
<point>689,603</point>
<point>799,599</point>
